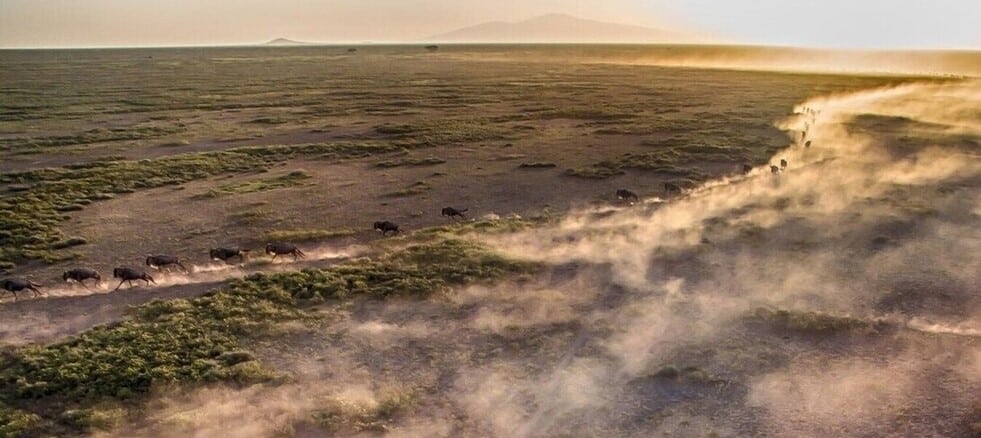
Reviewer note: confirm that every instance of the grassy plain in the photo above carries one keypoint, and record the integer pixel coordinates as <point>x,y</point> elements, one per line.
<point>108,155</point>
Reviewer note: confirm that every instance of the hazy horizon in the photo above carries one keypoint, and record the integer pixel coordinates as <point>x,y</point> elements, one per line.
<point>835,24</point>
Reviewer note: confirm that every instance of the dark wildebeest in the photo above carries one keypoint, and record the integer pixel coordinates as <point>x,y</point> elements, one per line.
<point>224,254</point>
<point>807,144</point>
<point>672,188</point>
<point>79,275</point>
<point>162,261</point>
<point>452,212</point>
<point>627,195</point>
<point>783,164</point>
<point>803,135</point>
<point>774,169</point>
<point>14,285</point>
<point>278,249</point>
<point>352,50</point>
<point>126,275</point>
<point>747,169</point>
<point>386,226</point>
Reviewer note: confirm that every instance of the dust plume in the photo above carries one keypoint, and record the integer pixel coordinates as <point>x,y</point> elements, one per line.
<point>877,183</point>
<point>836,296</point>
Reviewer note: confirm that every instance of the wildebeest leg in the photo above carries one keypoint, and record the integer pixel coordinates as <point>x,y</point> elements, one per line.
<point>274,257</point>
<point>182,267</point>
<point>120,285</point>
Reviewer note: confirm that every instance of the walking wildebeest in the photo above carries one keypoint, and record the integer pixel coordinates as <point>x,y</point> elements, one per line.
<point>278,249</point>
<point>807,144</point>
<point>774,169</point>
<point>451,212</point>
<point>386,226</point>
<point>224,254</point>
<point>747,169</point>
<point>783,163</point>
<point>14,285</point>
<point>127,275</point>
<point>79,275</point>
<point>672,188</point>
<point>627,195</point>
<point>162,261</point>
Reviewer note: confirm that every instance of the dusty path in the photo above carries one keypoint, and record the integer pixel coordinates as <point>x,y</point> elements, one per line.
<point>70,309</point>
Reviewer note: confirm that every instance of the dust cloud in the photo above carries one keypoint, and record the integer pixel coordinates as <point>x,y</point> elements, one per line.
<point>837,296</point>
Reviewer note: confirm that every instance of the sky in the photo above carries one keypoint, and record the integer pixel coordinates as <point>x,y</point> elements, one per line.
<point>920,24</point>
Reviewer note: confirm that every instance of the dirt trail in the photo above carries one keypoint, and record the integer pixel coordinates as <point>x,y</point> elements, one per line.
<point>73,308</point>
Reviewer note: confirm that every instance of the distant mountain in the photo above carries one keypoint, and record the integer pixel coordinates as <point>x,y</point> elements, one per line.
<point>285,42</point>
<point>560,28</point>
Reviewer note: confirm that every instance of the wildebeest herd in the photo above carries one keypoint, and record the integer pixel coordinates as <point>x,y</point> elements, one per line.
<point>128,274</point>
<point>630,197</point>
<point>160,262</point>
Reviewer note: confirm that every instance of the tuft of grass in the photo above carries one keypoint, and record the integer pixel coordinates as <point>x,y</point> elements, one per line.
<point>306,235</point>
<point>68,243</point>
<point>97,135</point>
<point>246,218</point>
<point>340,416</point>
<point>174,144</point>
<point>428,161</point>
<point>293,179</point>
<point>16,422</point>
<point>537,165</point>
<point>601,170</point>
<point>808,322</point>
<point>268,120</point>
<point>416,188</point>
<point>689,374</point>
<point>463,228</point>
<point>439,132</point>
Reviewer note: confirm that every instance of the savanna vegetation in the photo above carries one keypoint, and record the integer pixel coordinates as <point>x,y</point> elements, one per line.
<point>60,388</point>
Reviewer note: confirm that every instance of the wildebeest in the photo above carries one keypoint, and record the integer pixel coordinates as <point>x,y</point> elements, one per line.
<point>451,212</point>
<point>386,226</point>
<point>126,275</point>
<point>747,169</point>
<point>278,249</point>
<point>14,285</point>
<point>774,169</point>
<point>432,48</point>
<point>672,188</point>
<point>627,195</point>
<point>224,254</point>
<point>783,164</point>
<point>79,275</point>
<point>162,261</point>
<point>807,144</point>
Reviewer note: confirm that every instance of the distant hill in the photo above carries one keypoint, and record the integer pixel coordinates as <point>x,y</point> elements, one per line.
<point>560,28</point>
<point>285,42</point>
